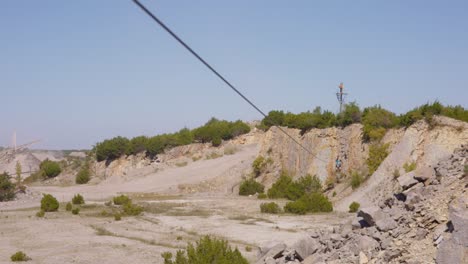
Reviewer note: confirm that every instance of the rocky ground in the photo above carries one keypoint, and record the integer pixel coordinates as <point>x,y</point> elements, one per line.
<point>425,222</point>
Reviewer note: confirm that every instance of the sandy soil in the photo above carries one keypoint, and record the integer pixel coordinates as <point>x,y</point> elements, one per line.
<point>170,220</point>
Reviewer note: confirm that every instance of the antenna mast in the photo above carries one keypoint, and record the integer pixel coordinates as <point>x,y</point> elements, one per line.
<point>341,96</point>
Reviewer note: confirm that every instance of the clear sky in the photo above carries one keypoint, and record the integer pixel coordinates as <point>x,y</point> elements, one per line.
<point>73,73</point>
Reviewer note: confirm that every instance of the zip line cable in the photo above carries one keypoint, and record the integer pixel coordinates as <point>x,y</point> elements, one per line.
<point>187,47</point>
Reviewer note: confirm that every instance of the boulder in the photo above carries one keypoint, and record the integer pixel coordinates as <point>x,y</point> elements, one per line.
<point>458,213</point>
<point>425,173</point>
<point>407,180</point>
<point>363,258</point>
<point>306,246</point>
<point>271,249</point>
<point>375,216</point>
<point>450,253</point>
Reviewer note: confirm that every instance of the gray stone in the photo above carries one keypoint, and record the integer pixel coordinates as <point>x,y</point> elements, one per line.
<point>385,224</point>
<point>458,214</point>
<point>450,253</point>
<point>425,173</point>
<point>370,214</point>
<point>407,180</point>
<point>271,249</point>
<point>306,246</point>
<point>391,254</point>
<point>363,258</point>
<point>421,233</point>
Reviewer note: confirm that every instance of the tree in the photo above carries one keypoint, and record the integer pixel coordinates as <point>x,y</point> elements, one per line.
<point>7,189</point>
<point>50,168</point>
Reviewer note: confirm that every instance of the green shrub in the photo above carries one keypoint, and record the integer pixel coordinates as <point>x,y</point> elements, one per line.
<point>50,168</point>
<point>262,196</point>
<point>41,213</point>
<point>83,175</point>
<point>215,142</point>
<point>19,256</point>
<point>285,187</point>
<point>68,207</point>
<point>278,189</point>
<point>356,179</point>
<point>377,154</point>
<point>78,199</point>
<point>111,149</point>
<point>250,187</point>
<point>136,145</point>
<point>270,208</point>
<point>409,166</point>
<point>117,216</point>
<point>334,194</point>
<point>7,189</point>
<point>376,121</point>
<point>206,250</point>
<point>354,207</point>
<point>49,203</point>
<point>75,210</point>
<point>258,165</point>
<point>309,203</point>
<point>120,200</point>
<point>351,114</point>
<point>132,209</point>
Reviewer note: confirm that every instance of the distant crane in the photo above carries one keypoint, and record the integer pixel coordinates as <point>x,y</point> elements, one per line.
<point>341,96</point>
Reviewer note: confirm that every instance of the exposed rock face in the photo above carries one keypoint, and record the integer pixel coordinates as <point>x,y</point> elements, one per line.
<point>326,145</point>
<point>426,231</point>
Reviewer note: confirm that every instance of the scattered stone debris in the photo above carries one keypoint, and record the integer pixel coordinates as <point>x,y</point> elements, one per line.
<point>427,222</point>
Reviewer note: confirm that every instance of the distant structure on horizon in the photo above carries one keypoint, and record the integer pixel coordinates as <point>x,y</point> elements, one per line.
<point>341,96</point>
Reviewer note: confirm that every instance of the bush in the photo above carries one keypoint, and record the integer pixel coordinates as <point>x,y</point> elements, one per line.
<point>83,175</point>
<point>278,189</point>
<point>206,250</point>
<point>377,154</point>
<point>309,203</point>
<point>285,187</point>
<point>136,145</point>
<point>111,149</point>
<point>118,217</point>
<point>78,199</point>
<point>250,187</point>
<point>351,114</point>
<point>49,203</point>
<point>356,179</point>
<point>19,256</point>
<point>354,207</point>
<point>376,121</point>
<point>7,189</point>
<point>50,168</point>
<point>409,166</point>
<point>41,213</point>
<point>262,196</point>
<point>120,200</point>
<point>76,210</point>
<point>396,174</point>
<point>216,142</point>
<point>68,207</point>
<point>270,208</point>
<point>258,165</point>
<point>131,209</point>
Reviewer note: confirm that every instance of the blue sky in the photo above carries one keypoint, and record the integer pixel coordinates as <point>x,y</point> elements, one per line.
<point>77,72</point>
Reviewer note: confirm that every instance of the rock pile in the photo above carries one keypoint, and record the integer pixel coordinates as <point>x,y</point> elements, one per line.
<point>426,222</point>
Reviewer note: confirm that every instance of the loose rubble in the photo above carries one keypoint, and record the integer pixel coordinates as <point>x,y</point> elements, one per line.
<point>426,222</point>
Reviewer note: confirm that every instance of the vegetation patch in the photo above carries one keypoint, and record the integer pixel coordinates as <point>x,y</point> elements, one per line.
<point>309,203</point>
<point>258,165</point>
<point>75,210</point>
<point>84,175</point>
<point>49,168</point>
<point>354,207</point>
<point>206,250</point>
<point>7,189</point>
<point>120,200</point>
<point>19,256</point>
<point>262,196</point>
<point>181,164</point>
<point>68,207</point>
<point>285,187</point>
<point>49,203</point>
<point>78,199</point>
<point>409,166</point>
<point>270,208</point>
<point>377,154</point>
<point>214,131</point>
<point>41,213</point>
<point>356,179</point>
<point>250,187</point>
